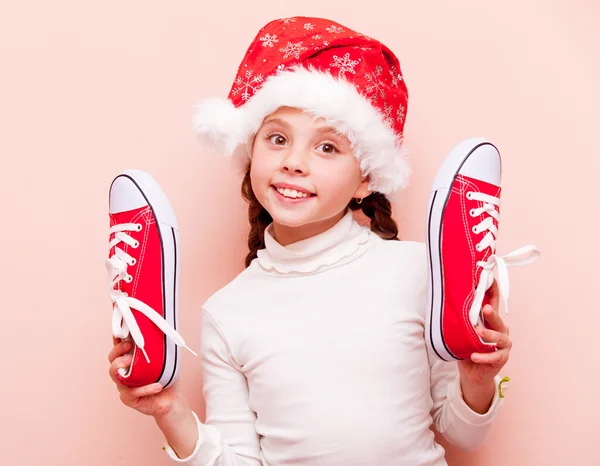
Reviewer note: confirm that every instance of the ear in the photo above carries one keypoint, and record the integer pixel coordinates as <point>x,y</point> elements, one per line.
<point>363,188</point>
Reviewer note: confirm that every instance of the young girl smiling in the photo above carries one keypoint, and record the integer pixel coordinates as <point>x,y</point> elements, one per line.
<point>315,354</point>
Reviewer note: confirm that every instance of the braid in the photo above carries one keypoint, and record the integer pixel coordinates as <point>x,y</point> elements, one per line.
<point>379,210</point>
<point>258,217</point>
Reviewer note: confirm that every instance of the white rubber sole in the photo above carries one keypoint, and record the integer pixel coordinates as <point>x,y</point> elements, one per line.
<point>169,237</point>
<point>438,199</point>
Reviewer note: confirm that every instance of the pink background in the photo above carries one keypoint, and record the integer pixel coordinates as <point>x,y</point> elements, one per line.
<point>91,88</point>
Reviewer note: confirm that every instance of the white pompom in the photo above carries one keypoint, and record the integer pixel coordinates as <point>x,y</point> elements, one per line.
<point>220,125</point>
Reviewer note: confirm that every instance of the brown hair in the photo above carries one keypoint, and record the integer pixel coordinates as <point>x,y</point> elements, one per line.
<point>376,207</point>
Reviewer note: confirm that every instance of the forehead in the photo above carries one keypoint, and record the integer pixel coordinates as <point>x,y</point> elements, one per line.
<point>292,116</point>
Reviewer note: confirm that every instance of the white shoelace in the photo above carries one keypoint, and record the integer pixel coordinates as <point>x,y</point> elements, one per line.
<point>123,321</point>
<point>522,256</point>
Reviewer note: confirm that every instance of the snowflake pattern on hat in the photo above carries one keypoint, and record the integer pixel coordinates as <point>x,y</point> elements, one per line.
<point>269,40</point>
<point>289,41</point>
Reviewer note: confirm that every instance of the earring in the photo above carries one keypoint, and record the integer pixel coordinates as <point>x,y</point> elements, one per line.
<point>359,201</point>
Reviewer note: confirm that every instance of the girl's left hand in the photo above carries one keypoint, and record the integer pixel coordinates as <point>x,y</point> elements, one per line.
<point>483,367</point>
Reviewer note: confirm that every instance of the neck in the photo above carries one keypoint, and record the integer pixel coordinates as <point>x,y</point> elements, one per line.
<point>333,247</point>
<point>286,235</point>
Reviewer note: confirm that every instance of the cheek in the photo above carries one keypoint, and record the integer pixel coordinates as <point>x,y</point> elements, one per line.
<point>338,180</point>
<point>261,171</point>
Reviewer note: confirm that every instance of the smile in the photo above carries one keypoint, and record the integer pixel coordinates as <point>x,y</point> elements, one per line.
<point>291,195</point>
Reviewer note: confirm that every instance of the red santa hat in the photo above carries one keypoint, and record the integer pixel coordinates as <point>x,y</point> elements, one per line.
<point>352,81</point>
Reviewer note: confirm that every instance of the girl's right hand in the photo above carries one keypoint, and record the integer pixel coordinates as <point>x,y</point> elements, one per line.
<point>149,399</point>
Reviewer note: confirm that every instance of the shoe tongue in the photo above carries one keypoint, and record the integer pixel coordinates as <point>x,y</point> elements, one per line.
<point>128,216</point>
<point>482,186</point>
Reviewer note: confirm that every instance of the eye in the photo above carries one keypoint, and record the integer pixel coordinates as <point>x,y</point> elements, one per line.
<point>328,148</point>
<point>276,139</point>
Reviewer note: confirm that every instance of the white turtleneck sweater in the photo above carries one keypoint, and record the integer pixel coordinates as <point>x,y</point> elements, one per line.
<point>315,355</point>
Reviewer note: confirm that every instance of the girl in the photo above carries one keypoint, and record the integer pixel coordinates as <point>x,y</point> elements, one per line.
<point>315,354</point>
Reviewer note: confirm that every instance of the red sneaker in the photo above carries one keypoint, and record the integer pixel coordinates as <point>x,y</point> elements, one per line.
<point>462,227</point>
<point>143,268</point>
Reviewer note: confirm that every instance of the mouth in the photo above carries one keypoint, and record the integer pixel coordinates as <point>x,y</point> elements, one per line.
<point>292,195</point>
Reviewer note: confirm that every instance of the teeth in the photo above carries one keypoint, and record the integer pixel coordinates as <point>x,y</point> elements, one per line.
<point>292,193</point>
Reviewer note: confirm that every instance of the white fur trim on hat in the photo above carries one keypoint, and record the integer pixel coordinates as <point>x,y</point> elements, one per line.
<point>376,146</point>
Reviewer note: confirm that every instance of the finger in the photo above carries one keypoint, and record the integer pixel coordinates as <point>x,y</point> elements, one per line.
<point>493,294</point>
<point>118,363</point>
<point>493,319</point>
<point>146,390</point>
<point>497,358</point>
<point>133,396</point>
<point>119,349</point>
<point>492,336</point>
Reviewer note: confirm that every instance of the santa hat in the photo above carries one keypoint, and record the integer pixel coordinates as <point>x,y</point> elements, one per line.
<point>352,81</point>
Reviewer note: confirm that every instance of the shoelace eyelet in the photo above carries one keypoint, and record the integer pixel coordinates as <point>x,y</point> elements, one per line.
<point>472,213</point>
<point>136,245</point>
<point>475,230</point>
<point>469,195</point>
<point>128,278</point>
<point>133,261</point>
<point>138,227</point>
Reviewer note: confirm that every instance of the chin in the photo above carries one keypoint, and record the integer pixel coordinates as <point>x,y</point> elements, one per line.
<point>302,219</point>
<point>293,219</point>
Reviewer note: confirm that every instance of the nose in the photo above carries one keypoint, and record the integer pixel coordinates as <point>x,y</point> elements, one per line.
<point>294,161</point>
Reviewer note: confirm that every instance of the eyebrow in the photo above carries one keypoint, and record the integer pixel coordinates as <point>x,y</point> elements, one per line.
<point>279,121</point>
<point>322,129</point>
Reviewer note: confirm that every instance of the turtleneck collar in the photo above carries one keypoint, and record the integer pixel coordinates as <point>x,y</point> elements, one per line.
<point>340,244</point>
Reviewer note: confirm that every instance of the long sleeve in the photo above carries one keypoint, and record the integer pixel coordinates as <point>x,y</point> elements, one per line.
<point>452,417</point>
<point>228,437</point>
